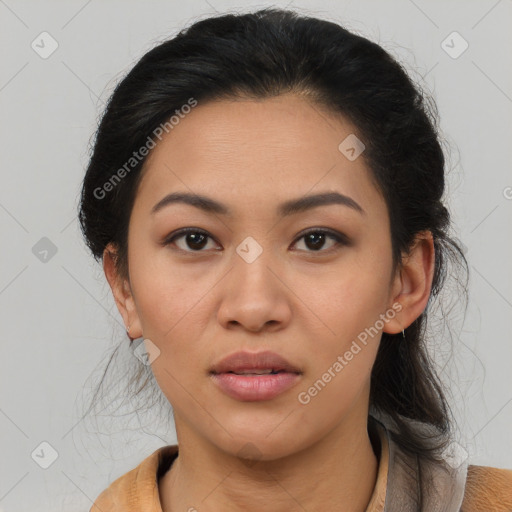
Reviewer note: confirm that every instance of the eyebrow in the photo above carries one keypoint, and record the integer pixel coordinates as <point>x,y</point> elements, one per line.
<point>286,209</point>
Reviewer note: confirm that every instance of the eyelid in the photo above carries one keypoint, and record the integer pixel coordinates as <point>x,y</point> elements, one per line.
<point>340,238</point>
<point>184,231</point>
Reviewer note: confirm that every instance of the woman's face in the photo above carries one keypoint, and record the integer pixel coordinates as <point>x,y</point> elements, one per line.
<point>254,282</point>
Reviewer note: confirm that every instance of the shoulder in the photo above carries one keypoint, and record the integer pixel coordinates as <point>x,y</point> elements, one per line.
<point>118,493</point>
<point>138,488</point>
<point>488,489</point>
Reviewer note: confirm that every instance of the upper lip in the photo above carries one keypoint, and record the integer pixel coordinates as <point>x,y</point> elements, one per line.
<point>243,361</point>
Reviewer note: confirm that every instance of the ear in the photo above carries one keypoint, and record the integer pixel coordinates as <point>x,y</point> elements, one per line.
<point>413,282</point>
<point>122,292</point>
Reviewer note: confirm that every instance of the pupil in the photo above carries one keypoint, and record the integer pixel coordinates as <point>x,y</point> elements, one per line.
<point>317,239</point>
<point>313,240</point>
<point>196,240</point>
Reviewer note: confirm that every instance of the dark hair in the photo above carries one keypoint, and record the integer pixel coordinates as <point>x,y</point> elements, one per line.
<point>268,53</point>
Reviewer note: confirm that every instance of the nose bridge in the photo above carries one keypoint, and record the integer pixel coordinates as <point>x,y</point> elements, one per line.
<point>252,262</point>
<point>253,296</point>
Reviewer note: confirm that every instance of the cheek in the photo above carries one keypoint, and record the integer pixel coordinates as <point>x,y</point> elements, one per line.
<point>337,389</point>
<point>353,299</point>
<point>171,307</point>
<point>163,293</point>
<point>340,372</point>
<point>349,347</point>
<point>350,309</point>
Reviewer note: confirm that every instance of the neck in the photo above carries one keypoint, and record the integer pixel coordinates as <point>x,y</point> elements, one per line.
<point>337,473</point>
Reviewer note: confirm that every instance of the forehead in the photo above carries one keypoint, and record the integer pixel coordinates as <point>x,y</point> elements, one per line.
<point>254,153</point>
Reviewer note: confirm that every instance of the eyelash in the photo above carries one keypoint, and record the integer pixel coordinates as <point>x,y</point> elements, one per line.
<point>340,238</point>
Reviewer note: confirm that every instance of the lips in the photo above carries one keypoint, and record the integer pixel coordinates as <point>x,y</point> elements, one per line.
<point>251,377</point>
<point>254,363</point>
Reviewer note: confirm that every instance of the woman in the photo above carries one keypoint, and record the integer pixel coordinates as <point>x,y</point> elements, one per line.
<point>265,193</point>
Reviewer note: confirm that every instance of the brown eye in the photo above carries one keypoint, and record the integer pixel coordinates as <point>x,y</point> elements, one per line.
<point>315,240</point>
<point>194,240</point>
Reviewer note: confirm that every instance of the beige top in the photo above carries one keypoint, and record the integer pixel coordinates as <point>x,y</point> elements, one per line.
<point>487,489</point>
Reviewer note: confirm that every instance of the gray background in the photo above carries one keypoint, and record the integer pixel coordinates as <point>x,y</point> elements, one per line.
<point>58,320</point>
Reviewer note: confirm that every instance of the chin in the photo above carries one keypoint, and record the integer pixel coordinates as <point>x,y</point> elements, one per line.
<point>259,446</point>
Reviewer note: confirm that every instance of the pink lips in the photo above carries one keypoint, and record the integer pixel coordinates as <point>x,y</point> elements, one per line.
<point>251,386</point>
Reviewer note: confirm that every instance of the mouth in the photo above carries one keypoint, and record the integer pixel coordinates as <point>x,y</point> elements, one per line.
<point>258,363</point>
<point>257,372</point>
<point>247,376</point>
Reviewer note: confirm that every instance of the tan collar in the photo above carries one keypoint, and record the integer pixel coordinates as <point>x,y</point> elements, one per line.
<point>138,489</point>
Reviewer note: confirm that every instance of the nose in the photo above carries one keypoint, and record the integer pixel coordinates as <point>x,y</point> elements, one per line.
<point>255,296</point>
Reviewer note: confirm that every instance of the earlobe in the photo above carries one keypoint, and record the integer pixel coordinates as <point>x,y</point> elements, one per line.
<point>413,283</point>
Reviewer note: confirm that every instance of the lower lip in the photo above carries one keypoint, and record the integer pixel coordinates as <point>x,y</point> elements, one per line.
<point>252,388</point>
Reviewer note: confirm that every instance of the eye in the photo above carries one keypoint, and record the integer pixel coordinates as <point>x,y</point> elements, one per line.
<point>195,240</point>
<point>314,239</point>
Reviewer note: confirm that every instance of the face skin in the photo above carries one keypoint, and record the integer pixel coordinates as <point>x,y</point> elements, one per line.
<point>199,303</point>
